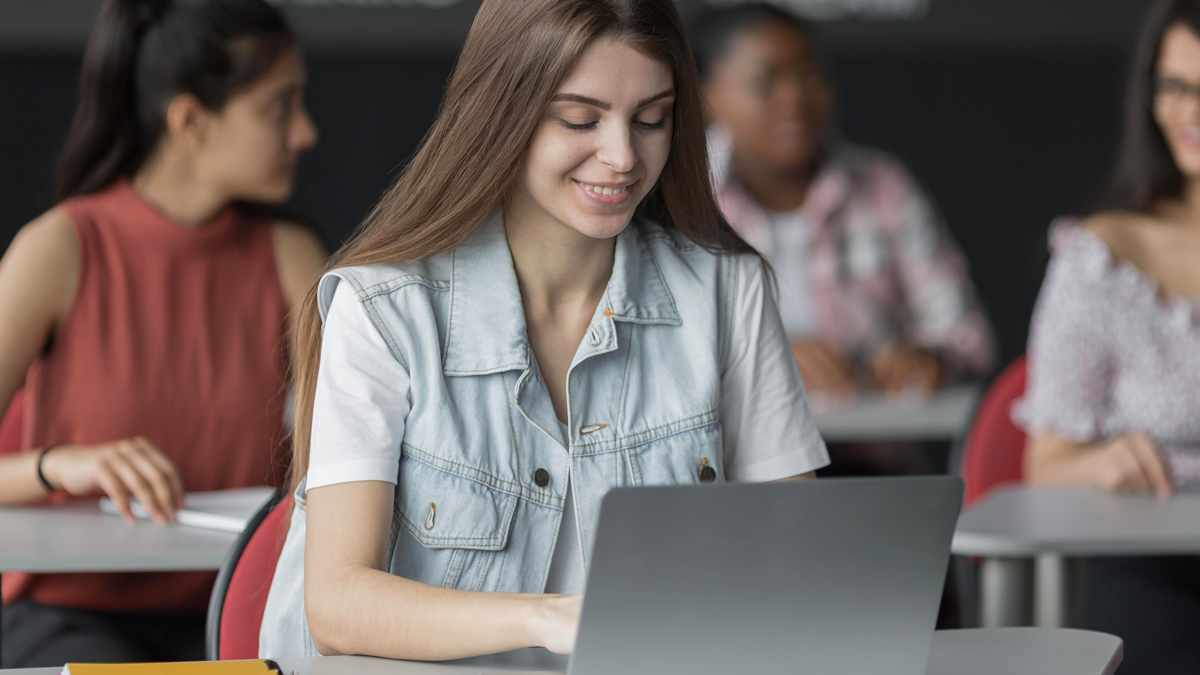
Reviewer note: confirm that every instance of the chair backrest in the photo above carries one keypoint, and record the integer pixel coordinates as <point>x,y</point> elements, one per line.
<point>12,423</point>
<point>239,597</point>
<point>995,447</point>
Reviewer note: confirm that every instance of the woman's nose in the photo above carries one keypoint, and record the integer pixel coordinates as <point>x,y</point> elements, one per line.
<point>616,150</point>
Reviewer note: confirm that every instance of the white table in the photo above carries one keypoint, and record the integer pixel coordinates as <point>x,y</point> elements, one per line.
<point>79,538</point>
<point>997,651</point>
<point>874,417</point>
<point>1045,533</point>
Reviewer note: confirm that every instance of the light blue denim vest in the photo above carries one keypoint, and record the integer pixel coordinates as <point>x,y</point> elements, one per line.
<point>643,391</point>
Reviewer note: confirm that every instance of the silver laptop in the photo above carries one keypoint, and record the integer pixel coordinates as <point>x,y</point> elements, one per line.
<point>834,576</point>
<point>816,577</point>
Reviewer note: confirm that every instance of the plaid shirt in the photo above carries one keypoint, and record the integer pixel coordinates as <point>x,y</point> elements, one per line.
<point>878,266</point>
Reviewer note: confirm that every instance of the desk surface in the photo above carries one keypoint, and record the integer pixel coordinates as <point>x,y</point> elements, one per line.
<point>993,651</point>
<point>1022,521</point>
<point>874,417</point>
<point>79,538</point>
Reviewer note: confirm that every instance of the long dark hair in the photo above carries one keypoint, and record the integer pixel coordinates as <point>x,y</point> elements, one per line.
<point>1146,172</point>
<point>143,53</point>
<point>515,57</point>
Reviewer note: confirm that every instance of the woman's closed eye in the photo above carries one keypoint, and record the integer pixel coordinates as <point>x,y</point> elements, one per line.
<point>588,126</point>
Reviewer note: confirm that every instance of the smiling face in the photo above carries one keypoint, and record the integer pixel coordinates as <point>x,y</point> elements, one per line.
<point>767,91</point>
<point>251,147</point>
<point>602,144</point>
<point>1177,97</point>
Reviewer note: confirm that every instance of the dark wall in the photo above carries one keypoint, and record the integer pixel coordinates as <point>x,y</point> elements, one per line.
<point>1004,141</point>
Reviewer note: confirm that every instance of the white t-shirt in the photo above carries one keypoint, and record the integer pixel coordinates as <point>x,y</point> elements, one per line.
<point>362,401</point>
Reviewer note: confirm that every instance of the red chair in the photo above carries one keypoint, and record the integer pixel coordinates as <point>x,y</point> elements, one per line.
<point>239,597</point>
<point>995,447</point>
<point>12,423</point>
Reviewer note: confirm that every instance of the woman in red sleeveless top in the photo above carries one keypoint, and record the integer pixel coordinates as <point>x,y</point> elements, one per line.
<point>145,313</point>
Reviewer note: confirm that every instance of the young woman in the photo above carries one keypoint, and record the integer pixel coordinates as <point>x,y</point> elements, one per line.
<point>1114,369</point>
<point>145,313</point>
<point>872,289</point>
<point>547,304</point>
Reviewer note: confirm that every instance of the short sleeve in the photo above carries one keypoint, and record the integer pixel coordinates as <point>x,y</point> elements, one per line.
<point>769,432</point>
<point>1069,381</point>
<point>361,401</point>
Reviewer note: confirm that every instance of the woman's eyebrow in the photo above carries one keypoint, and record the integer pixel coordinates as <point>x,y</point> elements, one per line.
<point>605,105</point>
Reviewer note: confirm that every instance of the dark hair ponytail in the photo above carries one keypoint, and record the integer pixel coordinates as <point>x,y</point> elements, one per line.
<point>143,53</point>
<point>1146,171</point>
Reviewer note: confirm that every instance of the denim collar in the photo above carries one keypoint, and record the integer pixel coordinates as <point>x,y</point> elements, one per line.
<point>486,327</point>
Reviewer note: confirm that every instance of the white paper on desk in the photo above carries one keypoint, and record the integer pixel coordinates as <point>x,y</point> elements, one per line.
<point>224,510</point>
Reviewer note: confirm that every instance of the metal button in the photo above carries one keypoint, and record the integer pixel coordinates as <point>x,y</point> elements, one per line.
<point>707,473</point>
<point>541,477</point>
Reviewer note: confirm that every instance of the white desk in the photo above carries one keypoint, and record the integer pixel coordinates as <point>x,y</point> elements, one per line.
<point>1054,529</point>
<point>997,651</point>
<point>79,538</point>
<point>875,417</point>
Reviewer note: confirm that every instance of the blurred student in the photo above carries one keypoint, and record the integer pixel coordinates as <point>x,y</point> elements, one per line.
<point>872,290</point>
<point>1114,352</point>
<point>547,304</point>
<point>145,313</point>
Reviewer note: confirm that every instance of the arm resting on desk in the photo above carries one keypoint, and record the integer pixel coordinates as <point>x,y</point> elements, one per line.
<point>353,606</point>
<point>1130,462</point>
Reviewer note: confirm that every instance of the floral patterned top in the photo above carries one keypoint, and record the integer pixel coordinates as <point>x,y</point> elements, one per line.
<point>1109,356</point>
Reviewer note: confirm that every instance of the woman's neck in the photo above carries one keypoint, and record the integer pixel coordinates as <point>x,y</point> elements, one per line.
<point>772,188</point>
<point>171,186</point>
<point>1187,209</point>
<point>559,270</point>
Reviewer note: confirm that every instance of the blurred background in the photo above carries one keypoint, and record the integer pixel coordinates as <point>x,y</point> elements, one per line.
<point>1007,111</point>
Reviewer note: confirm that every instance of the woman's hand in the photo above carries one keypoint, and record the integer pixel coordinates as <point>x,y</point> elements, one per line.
<point>824,369</point>
<point>901,367</point>
<point>557,622</point>
<point>119,469</point>
<point>1131,463</point>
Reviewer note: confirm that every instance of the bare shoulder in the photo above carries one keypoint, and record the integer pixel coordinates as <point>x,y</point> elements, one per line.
<point>300,257</point>
<point>40,270</point>
<point>48,240</point>
<point>1124,232</point>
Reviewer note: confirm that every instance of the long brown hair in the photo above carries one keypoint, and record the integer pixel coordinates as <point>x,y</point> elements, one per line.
<point>515,57</point>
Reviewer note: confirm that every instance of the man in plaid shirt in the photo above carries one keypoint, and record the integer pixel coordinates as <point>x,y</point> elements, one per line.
<point>872,289</point>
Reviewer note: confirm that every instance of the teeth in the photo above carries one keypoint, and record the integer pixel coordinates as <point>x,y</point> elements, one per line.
<point>605,190</point>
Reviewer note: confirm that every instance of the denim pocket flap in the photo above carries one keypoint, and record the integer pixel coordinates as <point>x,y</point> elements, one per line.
<point>444,510</point>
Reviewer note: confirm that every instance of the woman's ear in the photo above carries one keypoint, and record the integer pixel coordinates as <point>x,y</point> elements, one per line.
<point>187,121</point>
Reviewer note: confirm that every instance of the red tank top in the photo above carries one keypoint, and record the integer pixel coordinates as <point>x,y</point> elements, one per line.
<point>176,335</point>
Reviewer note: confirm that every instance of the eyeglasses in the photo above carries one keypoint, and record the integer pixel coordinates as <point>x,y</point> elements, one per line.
<point>1172,91</point>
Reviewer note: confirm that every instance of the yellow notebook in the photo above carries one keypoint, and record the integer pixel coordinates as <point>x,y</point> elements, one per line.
<point>194,668</point>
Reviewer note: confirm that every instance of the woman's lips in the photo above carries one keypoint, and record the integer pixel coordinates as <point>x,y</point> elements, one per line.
<point>616,195</point>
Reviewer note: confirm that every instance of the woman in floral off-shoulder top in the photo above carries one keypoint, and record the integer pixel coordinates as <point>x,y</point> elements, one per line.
<point>1114,354</point>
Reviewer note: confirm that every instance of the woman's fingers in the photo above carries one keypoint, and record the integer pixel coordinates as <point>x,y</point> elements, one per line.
<point>1132,477</point>
<point>115,489</point>
<point>1151,463</point>
<point>165,466</point>
<point>121,460</point>
<point>160,483</point>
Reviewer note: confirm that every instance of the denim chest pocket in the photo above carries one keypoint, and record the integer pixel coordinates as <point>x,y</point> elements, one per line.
<point>691,455</point>
<point>451,530</point>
